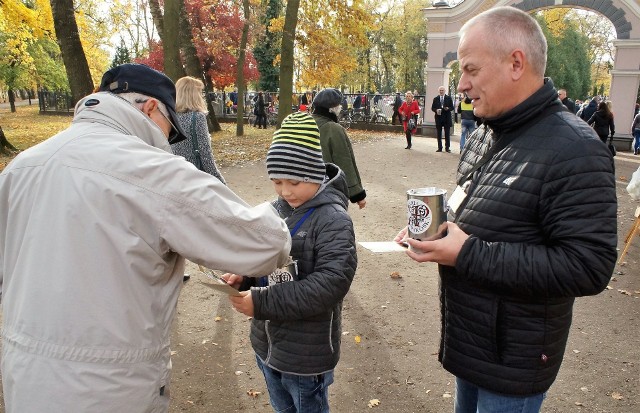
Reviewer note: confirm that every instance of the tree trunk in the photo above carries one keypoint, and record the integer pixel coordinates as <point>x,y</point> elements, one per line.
<point>75,61</point>
<point>208,87</point>
<point>193,65</point>
<point>12,100</point>
<point>286,58</point>
<point>240,72</point>
<point>6,148</point>
<point>156,13</point>
<point>171,42</point>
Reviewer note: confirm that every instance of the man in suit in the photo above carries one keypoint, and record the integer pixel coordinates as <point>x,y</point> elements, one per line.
<point>442,106</point>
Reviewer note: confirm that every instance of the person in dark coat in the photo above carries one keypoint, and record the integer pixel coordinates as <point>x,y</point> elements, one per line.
<point>533,222</point>
<point>442,106</point>
<point>397,102</point>
<point>602,122</point>
<point>260,110</point>
<point>568,103</point>
<point>590,109</point>
<point>297,316</point>
<point>336,146</point>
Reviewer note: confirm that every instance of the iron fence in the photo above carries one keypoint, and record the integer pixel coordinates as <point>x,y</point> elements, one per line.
<point>356,108</point>
<point>55,102</point>
<point>376,108</point>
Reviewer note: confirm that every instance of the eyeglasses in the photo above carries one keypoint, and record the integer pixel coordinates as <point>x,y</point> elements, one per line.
<point>173,134</point>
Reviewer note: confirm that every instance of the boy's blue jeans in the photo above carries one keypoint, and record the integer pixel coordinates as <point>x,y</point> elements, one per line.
<point>292,393</point>
<point>473,399</point>
<point>636,144</point>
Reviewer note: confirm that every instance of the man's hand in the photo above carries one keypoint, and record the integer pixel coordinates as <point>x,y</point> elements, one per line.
<point>243,304</point>
<point>362,203</point>
<point>233,280</point>
<point>444,250</point>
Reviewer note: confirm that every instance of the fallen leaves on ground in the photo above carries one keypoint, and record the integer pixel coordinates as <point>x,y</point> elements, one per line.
<point>617,395</point>
<point>395,275</point>
<point>26,128</point>
<point>253,393</point>
<point>373,403</point>
<point>357,339</point>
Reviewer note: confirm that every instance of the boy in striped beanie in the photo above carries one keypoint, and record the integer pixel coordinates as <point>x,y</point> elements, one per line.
<point>296,326</point>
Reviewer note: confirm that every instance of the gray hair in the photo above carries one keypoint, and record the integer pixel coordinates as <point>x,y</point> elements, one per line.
<point>509,28</point>
<point>138,99</point>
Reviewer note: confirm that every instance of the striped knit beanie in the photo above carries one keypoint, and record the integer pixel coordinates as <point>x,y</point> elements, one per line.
<point>295,151</point>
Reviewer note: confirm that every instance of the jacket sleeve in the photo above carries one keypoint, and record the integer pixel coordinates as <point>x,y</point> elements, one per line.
<point>416,108</point>
<point>577,214</point>
<point>205,222</point>
<point>612,126</point>
<point>340,152</point>
<point>320,290</point>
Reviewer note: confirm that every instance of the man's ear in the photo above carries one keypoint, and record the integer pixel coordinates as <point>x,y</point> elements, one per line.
<point>518,62</point>
<point>149,106</point>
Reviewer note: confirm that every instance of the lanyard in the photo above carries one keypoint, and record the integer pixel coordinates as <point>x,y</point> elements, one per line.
<point>301,221</point>
<point>264,281</point>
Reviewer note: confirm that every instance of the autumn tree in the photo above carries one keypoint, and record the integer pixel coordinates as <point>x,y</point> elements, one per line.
<point>580,45</point>
<point>286,58</point>
<point>75,61</point>
<point>568,58</point>
<point>121,55</point>
<point>240,68</point>
<point>133,21</point>
<point>267,48</point>
<point>171,40</point>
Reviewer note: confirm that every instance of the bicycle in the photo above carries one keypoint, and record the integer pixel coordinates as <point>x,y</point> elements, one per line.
<point>345,118</point>
<point>378,117</point>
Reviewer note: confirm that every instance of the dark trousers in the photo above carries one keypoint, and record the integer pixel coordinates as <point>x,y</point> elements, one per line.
<point>447,132</point>
<point>408,136</point>
<point>261,120</point>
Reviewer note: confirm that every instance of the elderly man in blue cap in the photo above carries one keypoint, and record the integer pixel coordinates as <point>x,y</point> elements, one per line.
<point>95,227</point>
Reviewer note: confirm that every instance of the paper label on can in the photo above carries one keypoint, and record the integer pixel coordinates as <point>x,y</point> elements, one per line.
<point>419,216</point>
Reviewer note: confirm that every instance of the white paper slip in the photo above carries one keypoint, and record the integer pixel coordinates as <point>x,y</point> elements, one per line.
<point>222,287</point>
<point>385,246</point>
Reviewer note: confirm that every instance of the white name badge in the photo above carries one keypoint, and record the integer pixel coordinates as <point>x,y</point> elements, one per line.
<point>456,199</point>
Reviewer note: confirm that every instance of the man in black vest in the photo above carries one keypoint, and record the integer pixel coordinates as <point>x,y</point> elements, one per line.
<point>442,106</point>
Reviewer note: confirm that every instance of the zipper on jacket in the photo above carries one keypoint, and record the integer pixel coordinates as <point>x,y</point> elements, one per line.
<point>266,331</point>
<point>330,333</point>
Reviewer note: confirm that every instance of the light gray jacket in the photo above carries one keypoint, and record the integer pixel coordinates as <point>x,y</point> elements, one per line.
<point>94,225</point>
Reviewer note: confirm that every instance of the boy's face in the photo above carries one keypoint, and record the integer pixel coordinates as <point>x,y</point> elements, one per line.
<point>294,192</point>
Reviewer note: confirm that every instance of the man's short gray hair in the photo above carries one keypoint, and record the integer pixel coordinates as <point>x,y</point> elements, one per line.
<point>138,99</point>
<point>509,28</point>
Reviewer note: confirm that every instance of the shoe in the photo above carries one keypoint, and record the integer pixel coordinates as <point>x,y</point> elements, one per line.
<point>439,150</point>
<point>448,150</point>
<point>408,147</point>
<point>185,278</point>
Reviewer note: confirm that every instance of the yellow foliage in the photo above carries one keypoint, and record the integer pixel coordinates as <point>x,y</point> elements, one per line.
<point>328,35</point>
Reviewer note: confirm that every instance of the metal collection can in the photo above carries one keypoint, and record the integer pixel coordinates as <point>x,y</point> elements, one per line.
<point>426,210</point>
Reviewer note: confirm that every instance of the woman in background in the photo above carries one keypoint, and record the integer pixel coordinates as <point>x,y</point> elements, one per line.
<point>602,121</point>
<point>409,110</point>
<point>192,109</point>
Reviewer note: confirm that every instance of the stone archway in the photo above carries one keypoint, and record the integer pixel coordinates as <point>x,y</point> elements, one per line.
<point>445,23</point>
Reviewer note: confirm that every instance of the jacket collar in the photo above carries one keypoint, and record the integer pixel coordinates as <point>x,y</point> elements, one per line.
<point>325,113</point>
<point>118,114</point>
<point>525,111</point>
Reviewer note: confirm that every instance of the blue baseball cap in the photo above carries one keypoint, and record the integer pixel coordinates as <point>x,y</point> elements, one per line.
<point>132,77</point>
